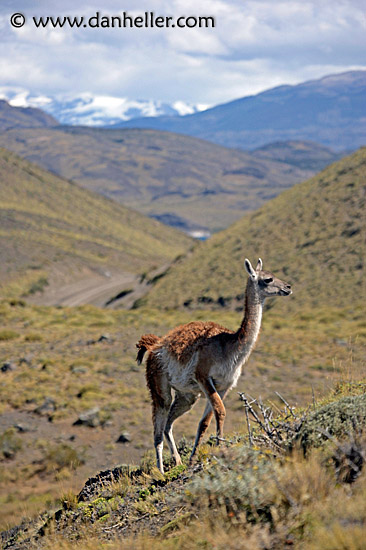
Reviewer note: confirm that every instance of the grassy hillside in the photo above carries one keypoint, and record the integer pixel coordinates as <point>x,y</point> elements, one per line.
<point>240,497</point>
<point>192,183</point>
<point>303,154</point>
<point>52,229</point>
<point>58,363</point>
<point>313,235</point>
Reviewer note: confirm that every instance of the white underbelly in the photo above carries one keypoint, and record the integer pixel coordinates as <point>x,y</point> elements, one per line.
<point>183,377</point>
<point>227,374</point>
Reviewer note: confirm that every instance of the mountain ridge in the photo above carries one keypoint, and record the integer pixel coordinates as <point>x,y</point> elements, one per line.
<point>318,225</point>
<point>24,117</point>
<point>89,109</point>
<point>53,232</point>
<point>195,184</point>
<point>330,110</point>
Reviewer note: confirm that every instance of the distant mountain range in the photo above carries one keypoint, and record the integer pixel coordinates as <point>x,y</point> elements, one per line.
<point>330,111</point>
<point>27,117</point>
<point>95,110</point>
<point>190,183</point>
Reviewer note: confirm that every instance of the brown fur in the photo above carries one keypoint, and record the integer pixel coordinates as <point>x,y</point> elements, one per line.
<point>183,340</point>
<point>155,383</point>
<point>146,342</point>
<point>217,355</point>
<point>212,395</point>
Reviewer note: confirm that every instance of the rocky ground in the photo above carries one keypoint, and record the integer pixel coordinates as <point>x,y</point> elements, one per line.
<point>279,489</point>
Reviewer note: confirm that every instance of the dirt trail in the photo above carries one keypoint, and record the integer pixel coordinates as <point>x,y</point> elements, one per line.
<point>99,290</point>
<point>95,290</point>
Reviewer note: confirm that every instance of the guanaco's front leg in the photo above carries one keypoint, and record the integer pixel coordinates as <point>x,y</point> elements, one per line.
<point>217,406</point>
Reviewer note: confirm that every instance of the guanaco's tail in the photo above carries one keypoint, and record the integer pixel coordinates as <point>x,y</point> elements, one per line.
<point>146,342</point>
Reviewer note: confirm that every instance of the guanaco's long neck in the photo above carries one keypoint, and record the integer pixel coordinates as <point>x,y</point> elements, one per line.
<point>248,331</point>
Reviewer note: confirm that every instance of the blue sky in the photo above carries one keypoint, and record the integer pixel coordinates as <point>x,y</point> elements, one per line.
<point>257,44</point>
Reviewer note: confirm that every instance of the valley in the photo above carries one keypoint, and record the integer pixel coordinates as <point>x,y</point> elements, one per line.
<point>191,183</point>
<point>54,233</point>
<point>84,273</point>
<point>70,387</point>
<point>313,235</point>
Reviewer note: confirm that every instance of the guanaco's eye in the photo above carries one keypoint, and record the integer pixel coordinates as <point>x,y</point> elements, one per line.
<point>268,280</point>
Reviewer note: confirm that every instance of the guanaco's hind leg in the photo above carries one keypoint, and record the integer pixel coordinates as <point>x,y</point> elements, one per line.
<point>160,391</point>
<point>182,403</point>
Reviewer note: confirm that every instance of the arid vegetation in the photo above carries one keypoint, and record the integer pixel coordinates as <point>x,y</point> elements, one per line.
<point>63,362</point>
<point>74,402</point>
<point>193,183</point>
<point>53,232</point>
<point>312,235</point>
<point>242,495</point>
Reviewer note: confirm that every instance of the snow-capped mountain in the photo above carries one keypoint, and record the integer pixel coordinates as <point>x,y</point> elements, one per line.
<point>95,110</point>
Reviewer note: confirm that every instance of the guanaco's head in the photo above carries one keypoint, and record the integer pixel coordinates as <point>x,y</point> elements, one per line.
<point>267,284</point>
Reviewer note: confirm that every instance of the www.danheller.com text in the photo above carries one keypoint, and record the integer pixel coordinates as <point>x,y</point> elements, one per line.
<point>125,20</point>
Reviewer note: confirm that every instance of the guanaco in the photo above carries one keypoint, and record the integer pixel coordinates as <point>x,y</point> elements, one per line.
<point>206,358</point>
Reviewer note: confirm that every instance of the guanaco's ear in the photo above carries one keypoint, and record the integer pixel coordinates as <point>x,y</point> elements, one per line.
<point>249,268</point>
<point>259,265</point>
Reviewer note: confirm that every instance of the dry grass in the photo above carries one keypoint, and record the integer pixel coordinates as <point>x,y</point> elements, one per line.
<point>52,227</point>
<point>57,355</point>
<point>312,235</point>
<point>301,509</point>
<point>158,172</point>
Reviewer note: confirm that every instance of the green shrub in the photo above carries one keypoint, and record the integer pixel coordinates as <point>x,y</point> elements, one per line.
<point>33,337</point>
<point>238,484</point>
<point>337,419</point>
<point>61,456</point>
<point>8,335</point>
<point>37,286</point>
<point>10,444</point>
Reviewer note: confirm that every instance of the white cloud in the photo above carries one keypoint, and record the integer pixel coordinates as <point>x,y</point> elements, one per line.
<point>256,44</point>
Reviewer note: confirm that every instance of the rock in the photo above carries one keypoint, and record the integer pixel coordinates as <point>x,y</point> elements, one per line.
<point>79,370</point>
<point>341,342</point>
<point>27,360</point>
<point>22,428</point>
<point>47,407</point>
<point>90,342</point>
<point>124,438</point>
<point>104,338</point>
<point>93,484</point>
<point>89,418</point>
<point>349,458</point>
<point>8,366</point>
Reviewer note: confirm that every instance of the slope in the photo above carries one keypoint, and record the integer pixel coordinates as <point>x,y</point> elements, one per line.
<point>313,234</point>
<point>23,117</point>
<point>192,183</point>
<point>303,154</point>
<point>331,111</point>
<point>52,230</point>
<point>231,498</point>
